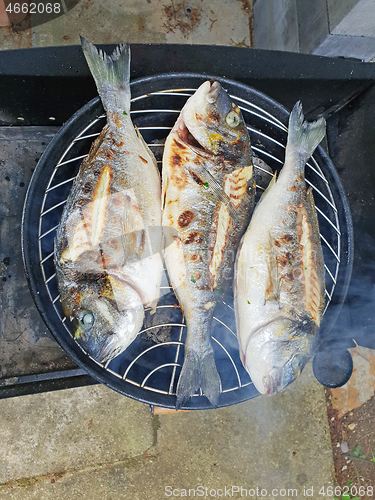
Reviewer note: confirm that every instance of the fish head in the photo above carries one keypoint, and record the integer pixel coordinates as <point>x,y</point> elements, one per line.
<point>211,121</point>
<point>277,353</point>
<point>106,323</point>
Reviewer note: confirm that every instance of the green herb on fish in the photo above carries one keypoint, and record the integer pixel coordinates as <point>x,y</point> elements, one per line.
<point>205,184</point>
<point>248,301</point>
<point>124,113</point>
<point>193,280</point>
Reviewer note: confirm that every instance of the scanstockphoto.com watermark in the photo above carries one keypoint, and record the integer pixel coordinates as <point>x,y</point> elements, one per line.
<point>263,493</point>
<point>24,14</point>
<point>233,492</point>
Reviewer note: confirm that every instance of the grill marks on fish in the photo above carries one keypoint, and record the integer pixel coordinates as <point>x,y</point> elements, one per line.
<point>272,284</point>
<point>194,237</point>
<point>185,218</point>
<point>89,229</point>
<point>177,154</point>
<point>311,260</point>
<point>236,184</point>
<point>99,203</point>
<point>294,265</point>
<point>297,263</point>
<point>196,178</point>
<point>220,232</point>
<point>142,159</point>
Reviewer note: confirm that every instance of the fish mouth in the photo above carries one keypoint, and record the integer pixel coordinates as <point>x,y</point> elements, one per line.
<point>109,350</point>
<point>188,138</point>
<point>102,351</point>
<point>214,91</point>
<point>273,382</point>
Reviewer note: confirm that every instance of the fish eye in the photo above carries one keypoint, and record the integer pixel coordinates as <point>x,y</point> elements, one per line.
<point>87,319</point>
<point>232,119</point>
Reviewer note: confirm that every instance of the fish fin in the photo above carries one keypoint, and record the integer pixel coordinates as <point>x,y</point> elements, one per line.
<point>303,136</point>
<point>272,291</point>
<point>111,75</point>
<point>215,186</point>
<point>125,213</point>
<point>133,244</point>
<point>95,146</point>
<point>198,372</point>
<point>151,154</point>
<point>270,185</point>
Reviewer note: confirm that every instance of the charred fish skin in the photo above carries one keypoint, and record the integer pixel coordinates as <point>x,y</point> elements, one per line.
<point>108,244</point>
<point>208,195</point>
<point>279,274</point>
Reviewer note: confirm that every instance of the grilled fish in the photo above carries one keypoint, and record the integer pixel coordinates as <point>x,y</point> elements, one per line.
<point>108,245</point>
<point>279,275</point>
<point>208,194</point>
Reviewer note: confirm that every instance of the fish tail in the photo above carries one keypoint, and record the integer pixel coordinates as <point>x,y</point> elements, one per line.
<point>304,136</point>
<point>198,372</point>
<point>112,76</point>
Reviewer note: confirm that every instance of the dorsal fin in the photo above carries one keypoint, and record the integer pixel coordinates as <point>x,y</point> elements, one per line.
<point>269,187</point>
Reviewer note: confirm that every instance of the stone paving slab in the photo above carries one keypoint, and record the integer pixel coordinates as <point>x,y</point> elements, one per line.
<point>157,21</point>
<point>70,429</point>
<point>26,345</point>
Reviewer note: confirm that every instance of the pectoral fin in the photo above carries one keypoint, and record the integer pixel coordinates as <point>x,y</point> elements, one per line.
<point>269,187</point>
<point>212,184</point>
<point>88,232</point>
<point>151,154</point>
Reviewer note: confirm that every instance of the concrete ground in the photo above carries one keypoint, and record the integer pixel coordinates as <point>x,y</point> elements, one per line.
<point>92,443</point>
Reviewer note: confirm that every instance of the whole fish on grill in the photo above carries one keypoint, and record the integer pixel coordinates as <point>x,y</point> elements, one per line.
<point>108,245</point>
<point>208,193</point>
<point>279,275</point>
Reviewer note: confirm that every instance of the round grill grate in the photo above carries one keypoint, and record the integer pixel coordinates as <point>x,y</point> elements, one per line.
<point>148,370</point>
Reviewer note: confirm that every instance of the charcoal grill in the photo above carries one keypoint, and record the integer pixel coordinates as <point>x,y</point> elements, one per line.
<point>149,369</point>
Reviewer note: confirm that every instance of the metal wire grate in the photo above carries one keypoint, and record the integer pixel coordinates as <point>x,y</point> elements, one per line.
<point>153,362</point>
